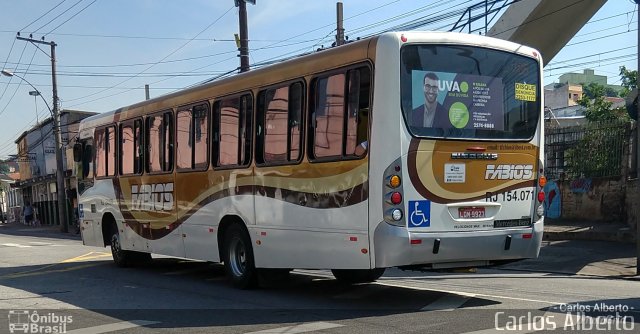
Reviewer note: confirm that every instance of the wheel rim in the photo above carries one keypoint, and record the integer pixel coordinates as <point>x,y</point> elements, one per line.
<point>237,257</point>
<point>115,246</point>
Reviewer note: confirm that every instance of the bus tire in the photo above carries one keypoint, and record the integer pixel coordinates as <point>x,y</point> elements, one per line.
<point>239,263</point>
<point>121,257</point>
<point>354,276</point>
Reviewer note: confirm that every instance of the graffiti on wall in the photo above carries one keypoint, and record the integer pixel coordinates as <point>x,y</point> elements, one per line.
<point>553,200</point>
<point>580,186</point>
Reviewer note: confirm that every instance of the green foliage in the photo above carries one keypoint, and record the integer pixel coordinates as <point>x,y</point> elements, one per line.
<point>593,89</point>
<point>628,79</point>
<point>597,108</point>
<point>598,152</point>
<point>4,168</point>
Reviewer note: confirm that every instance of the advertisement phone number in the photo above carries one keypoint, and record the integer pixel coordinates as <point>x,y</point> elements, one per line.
<point>484,125</point>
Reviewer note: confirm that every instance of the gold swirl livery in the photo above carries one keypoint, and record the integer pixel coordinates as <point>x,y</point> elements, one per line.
<point>454,171</point>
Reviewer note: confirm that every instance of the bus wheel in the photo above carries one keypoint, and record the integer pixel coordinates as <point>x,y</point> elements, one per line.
<point>238,258</point>
<point>353,276</point>
<point>121,258</point>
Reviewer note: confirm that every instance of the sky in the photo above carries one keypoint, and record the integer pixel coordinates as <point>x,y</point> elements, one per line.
<point>107,50</point>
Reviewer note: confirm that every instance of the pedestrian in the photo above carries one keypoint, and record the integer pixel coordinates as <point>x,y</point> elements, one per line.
<point>28,213</point>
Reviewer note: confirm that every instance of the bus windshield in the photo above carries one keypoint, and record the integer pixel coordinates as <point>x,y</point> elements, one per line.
<point>464,92</point>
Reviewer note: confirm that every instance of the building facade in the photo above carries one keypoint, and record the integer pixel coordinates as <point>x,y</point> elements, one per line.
<point>37,163</point>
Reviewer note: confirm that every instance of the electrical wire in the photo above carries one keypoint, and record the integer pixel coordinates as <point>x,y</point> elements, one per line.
<point>156,63</point>
<point>14,93</point>
<point>55,18</point>
<point>72,16</point>
<point>43,15</point>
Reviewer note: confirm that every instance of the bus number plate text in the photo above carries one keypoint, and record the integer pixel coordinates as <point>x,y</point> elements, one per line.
<point>471,213</point>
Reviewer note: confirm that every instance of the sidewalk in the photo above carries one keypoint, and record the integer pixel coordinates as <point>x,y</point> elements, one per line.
<point>48,231</point>
<point>556,230</point>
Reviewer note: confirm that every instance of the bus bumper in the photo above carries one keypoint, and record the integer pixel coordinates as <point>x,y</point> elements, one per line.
<point>396,246</point>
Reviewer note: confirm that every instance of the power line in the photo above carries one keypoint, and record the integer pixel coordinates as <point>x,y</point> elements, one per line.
<point>591,55</point>
<point>164,58</point>
<point>5,66</point>
<point>100,87</point>
<point>53,19</point>
<point>597,38</point>
<point>14,93</point>
<point>72,16</point>
<point>43,15</point>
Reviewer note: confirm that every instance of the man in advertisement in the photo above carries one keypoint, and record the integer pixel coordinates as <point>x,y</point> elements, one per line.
<point>430,114</point>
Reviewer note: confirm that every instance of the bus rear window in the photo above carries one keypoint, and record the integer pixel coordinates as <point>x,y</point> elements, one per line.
<point>464,92</point>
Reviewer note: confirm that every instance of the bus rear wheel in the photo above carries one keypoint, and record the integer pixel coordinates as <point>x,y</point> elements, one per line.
<point>354,276</point>
<point>238,258</point>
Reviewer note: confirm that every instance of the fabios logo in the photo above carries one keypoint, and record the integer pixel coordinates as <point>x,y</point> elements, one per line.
<point>152,197</point>
<point>509,172</point>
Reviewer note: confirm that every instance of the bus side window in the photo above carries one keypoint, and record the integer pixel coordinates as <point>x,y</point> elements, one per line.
<point>159,138</point>
<point>279,114</point>
<point>358,111</point>
<point>192,131</point>
<point>233,131</point>
<point>340,115</point>
<point>105,161</point>
<point>130,154</point>
<point>328,116</point>
<point>100,159</point>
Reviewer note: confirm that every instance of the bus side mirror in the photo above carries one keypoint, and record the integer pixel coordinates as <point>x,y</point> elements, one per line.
<point>77,152</point>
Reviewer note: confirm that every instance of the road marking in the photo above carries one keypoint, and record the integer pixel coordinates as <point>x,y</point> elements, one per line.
<point>401,285</point>
<point>118,326</point>
<point>303,328</point>
<point>88,256</point>
<point>448,302</point>
<point>16,245</point>
<point>40,271</point>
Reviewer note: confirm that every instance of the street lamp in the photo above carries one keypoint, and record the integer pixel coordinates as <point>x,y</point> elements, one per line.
<point>62,211</point>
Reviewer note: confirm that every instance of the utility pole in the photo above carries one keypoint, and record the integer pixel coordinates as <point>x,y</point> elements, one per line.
<point>244,33</point>
<point>339,27</point>
<point>60,189</point>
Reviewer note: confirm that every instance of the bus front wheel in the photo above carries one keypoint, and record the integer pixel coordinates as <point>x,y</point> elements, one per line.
<point>353,276</point>
<point>125,258</point>
<point>238,258</point>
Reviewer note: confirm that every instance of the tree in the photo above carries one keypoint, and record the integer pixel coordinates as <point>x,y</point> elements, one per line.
<point>628,79</point>
<point>597,107</point>
<point>4,168</point>
<point>588,90</point>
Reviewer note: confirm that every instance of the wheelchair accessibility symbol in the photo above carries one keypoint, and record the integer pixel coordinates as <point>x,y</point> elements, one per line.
<point>419,213</point>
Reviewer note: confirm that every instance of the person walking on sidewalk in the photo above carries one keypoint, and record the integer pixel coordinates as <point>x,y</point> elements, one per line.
<point>28,213</point>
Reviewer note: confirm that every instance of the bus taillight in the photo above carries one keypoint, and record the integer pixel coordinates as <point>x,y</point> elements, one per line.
<point>396,198</point>
<point>392,204</point>
<point>541,196</point>
<point>394,181</point>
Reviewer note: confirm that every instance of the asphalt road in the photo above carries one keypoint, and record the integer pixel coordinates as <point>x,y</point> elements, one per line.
<point>63,281</point>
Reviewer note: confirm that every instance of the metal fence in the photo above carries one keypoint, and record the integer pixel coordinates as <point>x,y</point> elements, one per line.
<point>589,150</point>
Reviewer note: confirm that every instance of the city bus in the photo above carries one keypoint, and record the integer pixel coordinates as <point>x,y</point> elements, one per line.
<point>418,150</point>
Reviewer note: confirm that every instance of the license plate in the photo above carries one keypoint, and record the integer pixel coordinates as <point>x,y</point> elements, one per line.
<point>471,213</point>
